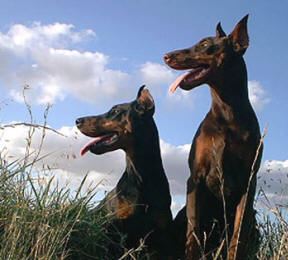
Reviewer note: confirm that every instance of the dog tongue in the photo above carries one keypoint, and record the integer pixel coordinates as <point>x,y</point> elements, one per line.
<point>85,149</point>
<point>177,82</point>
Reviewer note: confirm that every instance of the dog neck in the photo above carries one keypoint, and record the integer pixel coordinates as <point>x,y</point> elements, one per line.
<point>229,92</point>
<point>145,157</point>
<point>144,168</point>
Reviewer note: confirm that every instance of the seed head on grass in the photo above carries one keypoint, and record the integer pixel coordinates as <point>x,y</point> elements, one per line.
<point>41,220</point>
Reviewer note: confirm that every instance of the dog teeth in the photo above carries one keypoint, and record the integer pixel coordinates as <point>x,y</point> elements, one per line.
<point>114,137</point>
<point>109,140</point>
<point>200,74</point>
<point>203,71</point>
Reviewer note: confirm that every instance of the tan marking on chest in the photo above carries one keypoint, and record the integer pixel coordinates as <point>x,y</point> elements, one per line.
<point>208,147</point>
<point>124,209</point>
<point>203,148</point>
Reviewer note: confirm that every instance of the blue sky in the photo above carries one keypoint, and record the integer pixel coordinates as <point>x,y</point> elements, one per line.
<point>132,37</point>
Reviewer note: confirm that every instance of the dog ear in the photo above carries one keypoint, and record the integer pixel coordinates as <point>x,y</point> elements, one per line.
<point>145,102</point>
<point>219,31</point>
<point>140,91</point>
<point>239,36</point>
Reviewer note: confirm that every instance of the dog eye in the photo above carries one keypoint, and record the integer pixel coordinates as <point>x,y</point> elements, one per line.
<point>204,44</point>
<point>114,112</point>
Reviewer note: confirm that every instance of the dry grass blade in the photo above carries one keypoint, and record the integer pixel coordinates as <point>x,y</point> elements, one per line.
<point>42,221</point>
<point>32,125</point>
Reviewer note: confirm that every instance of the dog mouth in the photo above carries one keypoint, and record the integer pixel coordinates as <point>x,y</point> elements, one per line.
<point>101,141</point>
<point>190,79</point>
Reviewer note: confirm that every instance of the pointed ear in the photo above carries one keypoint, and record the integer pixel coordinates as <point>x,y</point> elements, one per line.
<point>145,101</point>
<point>219,31</point>
<point>140,91</point>
<point>239,36</point>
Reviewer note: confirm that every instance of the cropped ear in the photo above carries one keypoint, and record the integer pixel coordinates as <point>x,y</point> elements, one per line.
<point>219,31</point>
<point>239,36</point>
<point>140,91</point>
<point>145,102</point>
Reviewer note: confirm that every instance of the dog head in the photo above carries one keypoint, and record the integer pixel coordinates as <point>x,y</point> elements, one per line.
<point>116,128</point>
<point>208,56</point>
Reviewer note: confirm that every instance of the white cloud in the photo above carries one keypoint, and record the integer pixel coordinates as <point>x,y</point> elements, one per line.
<point>34,55</point>
<point>154,73</point>
<point>257,95</point>
<point>38,34</point>
<point>273,180</point>
<point>43,57</point>
<point>175,160</point>
<point>176,206</point>
<point>158,78</point>
<point>108,167</point>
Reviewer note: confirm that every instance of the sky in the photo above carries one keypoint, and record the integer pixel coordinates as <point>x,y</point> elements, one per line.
<point>83,57</point>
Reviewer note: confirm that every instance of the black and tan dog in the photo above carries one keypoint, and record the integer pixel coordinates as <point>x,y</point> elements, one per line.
<point>224,147</point>
<point>141,200</point>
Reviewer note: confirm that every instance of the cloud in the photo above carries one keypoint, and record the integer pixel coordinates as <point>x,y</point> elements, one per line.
<point>155,74</point>
<point>176,206</point>
<point>46,58</point>
<point>175,160</point>
<point>273,180</point>
<point>257,95</point>
<point>69,167</point>
<point>41,56</point>
<point>38,34</point>
<point>64,157</point>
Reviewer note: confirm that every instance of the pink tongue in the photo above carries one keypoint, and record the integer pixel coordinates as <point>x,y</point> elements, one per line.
<point>177,82</point>
<point>86,147</point>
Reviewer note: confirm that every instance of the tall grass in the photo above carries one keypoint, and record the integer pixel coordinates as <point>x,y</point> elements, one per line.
<point>40,219</point>
<point>274,233</point>
<point>43,221</point>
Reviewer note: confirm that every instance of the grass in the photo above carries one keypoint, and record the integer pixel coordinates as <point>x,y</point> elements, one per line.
<point>40,219</point>
<point>274,239</point>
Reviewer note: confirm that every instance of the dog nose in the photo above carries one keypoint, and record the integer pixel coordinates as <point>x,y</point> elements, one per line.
<point>79,121</point>
<point>167,58</point>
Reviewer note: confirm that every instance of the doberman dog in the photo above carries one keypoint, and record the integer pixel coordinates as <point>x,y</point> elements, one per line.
<point>224,151</point>
<point>141,201</point>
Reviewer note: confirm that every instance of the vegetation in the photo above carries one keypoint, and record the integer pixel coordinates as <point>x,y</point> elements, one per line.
<point>39,219</point>
<point>43,219</point>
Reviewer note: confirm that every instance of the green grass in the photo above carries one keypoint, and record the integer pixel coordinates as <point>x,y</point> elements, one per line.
<point>40,219</point>
<point>45,221</point>
<point>274,236</point>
